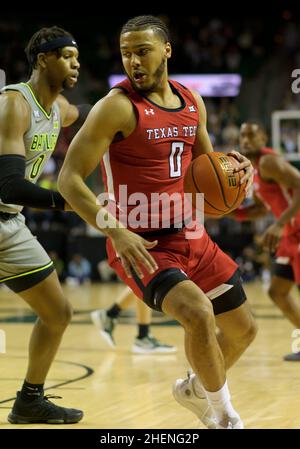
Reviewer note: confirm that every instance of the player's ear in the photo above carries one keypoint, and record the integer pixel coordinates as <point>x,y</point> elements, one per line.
<point>41,60</point>
<point>168,50</point>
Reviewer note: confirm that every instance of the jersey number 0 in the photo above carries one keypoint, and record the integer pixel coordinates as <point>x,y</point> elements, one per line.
<point>175,159</point>
<point>36,168</point>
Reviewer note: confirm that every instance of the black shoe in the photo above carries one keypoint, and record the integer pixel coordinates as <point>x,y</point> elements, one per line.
<point>42,410</point>
<point>293,357</point>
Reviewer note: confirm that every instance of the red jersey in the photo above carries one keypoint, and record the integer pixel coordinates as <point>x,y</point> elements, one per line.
<point>275,197</point>
<point>152,160</point>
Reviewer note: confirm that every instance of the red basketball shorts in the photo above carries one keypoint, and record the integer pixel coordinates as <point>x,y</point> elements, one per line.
<point>200,259</point>
<point>287,260</point>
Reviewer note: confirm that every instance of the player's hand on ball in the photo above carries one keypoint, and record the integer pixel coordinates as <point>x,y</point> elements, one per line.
<point>132,250</point>
<point>245,165</point>
<point>212,175</point>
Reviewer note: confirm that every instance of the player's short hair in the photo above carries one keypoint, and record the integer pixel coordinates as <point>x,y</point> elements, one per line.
<point>140,23</point>
<point>43,36</point>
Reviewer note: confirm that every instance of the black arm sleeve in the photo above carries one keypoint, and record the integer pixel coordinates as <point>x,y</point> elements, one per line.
<point>15,189</point>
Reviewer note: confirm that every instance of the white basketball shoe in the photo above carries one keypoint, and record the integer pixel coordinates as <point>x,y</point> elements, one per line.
<point>185,394</point>
<point>230,422</point>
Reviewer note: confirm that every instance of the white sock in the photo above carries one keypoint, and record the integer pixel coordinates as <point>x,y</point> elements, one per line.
<point>220,402</point>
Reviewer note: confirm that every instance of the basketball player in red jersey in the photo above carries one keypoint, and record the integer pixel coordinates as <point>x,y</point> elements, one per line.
<point>147,130</point>
<point>276,189</point>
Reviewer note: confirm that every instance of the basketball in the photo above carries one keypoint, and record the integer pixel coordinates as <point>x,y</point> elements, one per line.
<point>212,174</point>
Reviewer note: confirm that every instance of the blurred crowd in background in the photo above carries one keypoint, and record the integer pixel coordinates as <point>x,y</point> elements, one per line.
<point>264,51</point>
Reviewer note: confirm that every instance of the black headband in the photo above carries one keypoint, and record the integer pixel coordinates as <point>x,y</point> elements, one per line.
<point>59,42</point>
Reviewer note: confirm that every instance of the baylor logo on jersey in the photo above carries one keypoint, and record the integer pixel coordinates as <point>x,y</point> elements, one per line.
<point>43,142</point>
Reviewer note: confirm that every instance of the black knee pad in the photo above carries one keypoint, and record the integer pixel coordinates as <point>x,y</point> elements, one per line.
<point>231,299</point>
<point>283,271</point>
<point>160,285</point>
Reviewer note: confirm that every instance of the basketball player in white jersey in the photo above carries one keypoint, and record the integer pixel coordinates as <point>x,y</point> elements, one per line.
<point>31,116</point>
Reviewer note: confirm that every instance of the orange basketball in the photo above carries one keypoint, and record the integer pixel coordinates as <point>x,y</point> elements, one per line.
<point>212,174</point>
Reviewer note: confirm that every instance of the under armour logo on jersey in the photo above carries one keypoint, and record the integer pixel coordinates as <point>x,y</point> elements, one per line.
<point>192,109</point>
<point>149,111</point>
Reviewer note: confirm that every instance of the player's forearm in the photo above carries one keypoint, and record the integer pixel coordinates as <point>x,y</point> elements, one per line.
<point>84,202</point>
<point>23,193</point>
<point>15,189</point>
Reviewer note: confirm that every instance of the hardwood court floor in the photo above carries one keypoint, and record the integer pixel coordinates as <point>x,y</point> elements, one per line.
<point>117,389</point>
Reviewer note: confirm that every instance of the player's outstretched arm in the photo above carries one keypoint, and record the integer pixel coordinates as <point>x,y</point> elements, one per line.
<point>85,153</point>
<point>107,118</point>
